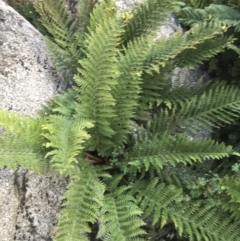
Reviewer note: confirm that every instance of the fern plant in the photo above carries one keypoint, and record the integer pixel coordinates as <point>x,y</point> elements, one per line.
<point>121,133</point>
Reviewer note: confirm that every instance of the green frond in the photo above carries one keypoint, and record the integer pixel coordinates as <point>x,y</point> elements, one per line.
<point>127,91</point>
<point>64,46</point>
<point>103,11</point>
<point>198,3</point>
<point>25,127</point>
<point>231,185</point>
<point>158,151</point>
<point>224,14</point>
<point>199,36</point>
<point>169,88</point>
<point>83,200</point>
<point>96,80</point>
<point>15,152</point>
<point>146,17</point>
<point>28,11</point>
<point>179,90</point>
<point>215,107</point>
<point>84,7</point>
<point>153,198</point>
<point>66,139</point>
<point>57,19</point>
<point>163,205</point>
<point>193,57</point>
<point>120,217</point>
<point>65,62</point>
<point>21,142</point>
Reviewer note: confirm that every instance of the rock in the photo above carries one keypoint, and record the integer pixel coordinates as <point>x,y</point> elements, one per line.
<point>30,205</point>
<point>27,78</point>
<point>29,202</point>
<point>40,201</point>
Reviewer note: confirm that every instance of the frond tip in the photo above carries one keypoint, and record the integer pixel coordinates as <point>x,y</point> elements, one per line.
<point>169,149</point>
<point>120,219</point>
<point>84,199</point>
<point>66,138</point>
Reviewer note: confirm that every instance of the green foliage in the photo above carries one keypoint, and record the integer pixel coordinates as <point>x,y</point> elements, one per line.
<point>146,17</point>
<point>83,200</point>
<point>128,133</point>
<point>21,142</point>
<point>65,139</point>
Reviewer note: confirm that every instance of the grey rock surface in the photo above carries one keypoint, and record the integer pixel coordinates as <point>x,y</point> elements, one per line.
<point>29,202</point>
<point>27,78</point>
<point>40,201</point>
<point>29,205</point>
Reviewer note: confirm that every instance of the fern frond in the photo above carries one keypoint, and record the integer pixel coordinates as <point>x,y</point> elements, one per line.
<point>127,91</point>
<point>25,127</point>
<point>147,17</point>
<point>21,142</point>
<point>97,78</point>
<point>193,57</point>
<point>65,138</point>
<point>224,14</point>
<point>63,60</point>
<point>198,3</point>
<point>158,151</point>
<point>103,11</point>
<point>84,198</point>
<point>153,198</point>
<point>57,19</point>
<point>163,205</point>
<point>84,9</point>
<point>15,152</point>
<point>231,185</point>
<point>28,11</point>
<point>213,108</point>
<point>64,46</point>
<point>120,217</point>
<point>200,36</point>
<point>160,88</point>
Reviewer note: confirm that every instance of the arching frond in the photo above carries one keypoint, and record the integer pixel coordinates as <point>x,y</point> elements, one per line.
<point>215,107</point>
<point>66,139</point>
<point>21,142</point>
<point>147,17</point>
<point>120,217</point>
<point>15,152</point>
<point>127,91</point>
<point>83,200</point>
<point>228,16</point>
<point>64,46</point>
<point>97,78</point>
<point>203,39</point>
<point>163,205</point>
<point>168,149</point>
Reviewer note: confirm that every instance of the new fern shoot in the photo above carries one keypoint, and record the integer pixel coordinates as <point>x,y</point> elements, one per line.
<point>121,132</point>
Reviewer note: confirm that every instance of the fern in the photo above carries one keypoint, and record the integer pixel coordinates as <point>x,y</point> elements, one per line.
<point>65,44</point>
<point>145,18</point>
<point>228,16</point>
<point>173,150</point>
<point>21,142</point>
<point>84,198</point>
<point>65,138</point>
<point>164,205</point>
<point>97,78</point>
<point>198,113</point>
<point>128,89</point>
<point>120,219</point>
<point>127,132</point>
